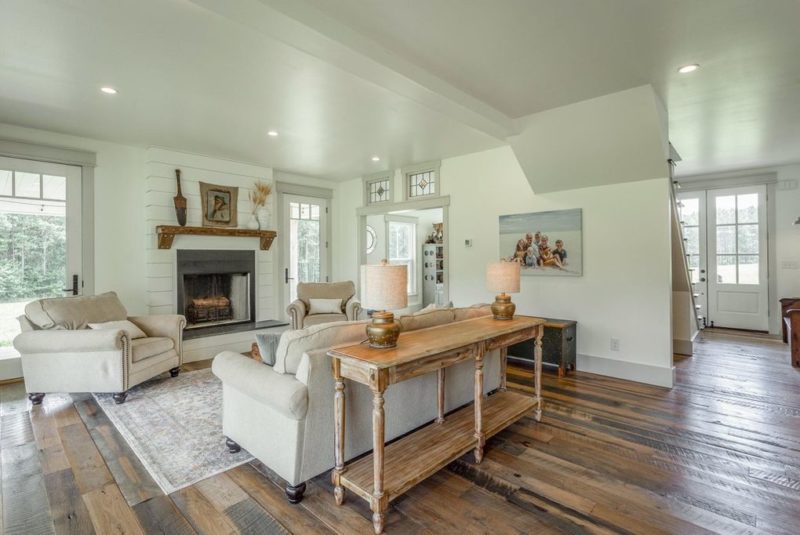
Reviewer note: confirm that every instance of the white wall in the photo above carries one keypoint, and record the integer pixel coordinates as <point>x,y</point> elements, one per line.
<point>625,290</point>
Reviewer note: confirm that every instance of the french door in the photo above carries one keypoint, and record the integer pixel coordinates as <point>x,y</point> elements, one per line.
<point>725,234</point>
<point>305,227</point>
<point>40,237</point>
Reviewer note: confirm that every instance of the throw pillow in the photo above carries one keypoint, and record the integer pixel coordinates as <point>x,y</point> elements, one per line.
<point>133,331</point>
<point>325,306</point>
<point>267,344</point>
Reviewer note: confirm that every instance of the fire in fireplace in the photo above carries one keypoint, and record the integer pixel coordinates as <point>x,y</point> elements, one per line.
<point>216,287</point>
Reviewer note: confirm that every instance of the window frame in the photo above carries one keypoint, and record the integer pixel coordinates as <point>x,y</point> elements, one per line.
<point>425,167</point>
<point>382,176</point>
<point>413,262</point>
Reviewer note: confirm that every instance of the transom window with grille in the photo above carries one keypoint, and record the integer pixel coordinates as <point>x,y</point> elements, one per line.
<point>421,180</point>
<point>379,191</point>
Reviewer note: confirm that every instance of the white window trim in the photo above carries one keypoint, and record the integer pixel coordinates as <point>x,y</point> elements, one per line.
<point>434,167</point>
<point>414,249</point>
<point>366,180</point>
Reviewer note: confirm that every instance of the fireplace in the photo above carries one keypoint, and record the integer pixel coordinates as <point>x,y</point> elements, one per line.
<point>216,287</point>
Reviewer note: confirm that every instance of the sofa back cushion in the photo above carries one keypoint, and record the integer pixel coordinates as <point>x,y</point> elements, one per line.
<point>75,312</point>
<point>475,311</point>
<point>294,343</point>
<point>423,320</point>
<point>325,290</point>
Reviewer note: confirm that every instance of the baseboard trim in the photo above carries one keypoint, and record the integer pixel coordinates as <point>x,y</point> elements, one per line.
<point>630,371</point>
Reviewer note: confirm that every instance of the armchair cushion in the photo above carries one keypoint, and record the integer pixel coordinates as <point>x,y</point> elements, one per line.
<point>325,306</point>
<point>325,290</point>
<point>318,319</point>
<point>75,312</point>
<point>133,331</point>
<point>144,348</point>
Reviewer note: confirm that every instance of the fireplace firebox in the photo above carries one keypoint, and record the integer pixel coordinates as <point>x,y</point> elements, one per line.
<point>216,287</point>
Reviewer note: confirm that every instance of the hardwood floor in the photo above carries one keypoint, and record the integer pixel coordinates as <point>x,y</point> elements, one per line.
<point>718,453</point>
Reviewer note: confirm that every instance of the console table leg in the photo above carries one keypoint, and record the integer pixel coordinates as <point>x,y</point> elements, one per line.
<point>537,384</point>
<point>378,432</point>
<point>479,435</point>
<point>503,368</point>
<point>338,435</point>
<point>440,392</point>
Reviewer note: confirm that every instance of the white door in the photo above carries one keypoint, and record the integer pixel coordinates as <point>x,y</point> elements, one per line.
<point>692,211</point>
<point>737,246</point>
<point>40,238</point>
<point>304,226</point>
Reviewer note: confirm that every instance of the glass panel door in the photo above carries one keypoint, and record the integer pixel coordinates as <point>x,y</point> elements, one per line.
<point>692,211</point>
<point>305,248</point>
<point>737,246</point>
<point>40,238</point>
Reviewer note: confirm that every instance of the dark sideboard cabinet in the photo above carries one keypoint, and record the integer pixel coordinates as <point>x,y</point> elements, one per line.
<point>558,346</point>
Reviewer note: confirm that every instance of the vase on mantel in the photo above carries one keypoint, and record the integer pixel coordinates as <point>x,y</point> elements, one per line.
<point>264,218</point>
<point>253,223</point>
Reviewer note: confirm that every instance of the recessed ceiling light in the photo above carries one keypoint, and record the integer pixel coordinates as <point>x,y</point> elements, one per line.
<point>108,90</point>
<point>686,69</point>
<point>272,133</point>
<point>376,159</point>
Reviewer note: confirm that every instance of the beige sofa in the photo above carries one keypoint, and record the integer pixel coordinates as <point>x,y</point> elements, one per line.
<point>299,309</point>
<point>283,414</point>
<point>61,354</point>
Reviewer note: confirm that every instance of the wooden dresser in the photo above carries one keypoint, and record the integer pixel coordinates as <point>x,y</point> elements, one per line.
<point>390,471</point>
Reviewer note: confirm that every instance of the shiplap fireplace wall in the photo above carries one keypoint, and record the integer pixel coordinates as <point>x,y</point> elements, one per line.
<point>161,264</point>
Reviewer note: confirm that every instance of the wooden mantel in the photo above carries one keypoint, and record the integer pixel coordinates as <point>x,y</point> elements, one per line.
<point>167,233</point>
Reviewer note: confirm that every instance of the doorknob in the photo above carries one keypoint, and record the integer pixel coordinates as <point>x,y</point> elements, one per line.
<point>702,279</point>
<point>74,288</point>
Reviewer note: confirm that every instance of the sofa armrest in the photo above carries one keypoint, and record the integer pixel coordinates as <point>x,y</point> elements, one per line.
<point>280,392</point>
<point>297,311</point>
<point>165,326</point>
<point>353,309</point>
<point>70,341</point>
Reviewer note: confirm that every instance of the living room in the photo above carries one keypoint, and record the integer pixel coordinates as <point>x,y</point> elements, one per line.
<point>363,145</point>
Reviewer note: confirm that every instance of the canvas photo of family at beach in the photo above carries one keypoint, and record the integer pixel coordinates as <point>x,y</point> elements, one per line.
<point>544,243</point>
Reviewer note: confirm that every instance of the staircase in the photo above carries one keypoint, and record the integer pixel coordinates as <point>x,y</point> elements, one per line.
<point>687,316</point>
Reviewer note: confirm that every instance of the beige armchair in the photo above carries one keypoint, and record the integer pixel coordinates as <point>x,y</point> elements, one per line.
<point>299,309</point>
<point>61,354</point>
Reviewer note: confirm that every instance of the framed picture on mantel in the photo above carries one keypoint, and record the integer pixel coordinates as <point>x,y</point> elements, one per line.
<point>544,243</point>
<point>219,205</point>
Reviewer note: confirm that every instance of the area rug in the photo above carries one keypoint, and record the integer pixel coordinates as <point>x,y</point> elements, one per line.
<point>174,426</point>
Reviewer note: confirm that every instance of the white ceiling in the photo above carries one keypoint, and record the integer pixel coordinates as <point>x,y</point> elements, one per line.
<point>410,81</point>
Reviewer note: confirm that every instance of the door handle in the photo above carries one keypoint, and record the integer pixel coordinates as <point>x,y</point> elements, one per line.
<point>286,275</point>
<point>74,289</point>
<point>702,279</point>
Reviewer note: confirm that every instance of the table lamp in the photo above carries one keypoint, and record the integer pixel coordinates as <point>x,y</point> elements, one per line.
<point>383,288</point>
<point>503,277</point>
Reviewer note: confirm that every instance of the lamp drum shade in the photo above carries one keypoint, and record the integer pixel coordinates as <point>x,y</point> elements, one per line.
<point>383,287</point>
<point>503,277</point>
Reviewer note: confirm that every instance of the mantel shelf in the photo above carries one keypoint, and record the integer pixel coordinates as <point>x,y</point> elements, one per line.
<point>167,233</point>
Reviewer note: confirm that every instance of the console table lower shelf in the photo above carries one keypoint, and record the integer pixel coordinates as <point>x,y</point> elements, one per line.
<point>421,454</point>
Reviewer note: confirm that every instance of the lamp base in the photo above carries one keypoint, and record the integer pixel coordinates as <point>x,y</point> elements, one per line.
<point>383,331</point>
<point>503,308</point>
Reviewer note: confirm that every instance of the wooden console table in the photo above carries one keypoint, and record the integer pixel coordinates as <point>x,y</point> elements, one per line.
<point>390,471</point>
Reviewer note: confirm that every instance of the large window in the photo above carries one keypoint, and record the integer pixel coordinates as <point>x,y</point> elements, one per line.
<point>403,249</point>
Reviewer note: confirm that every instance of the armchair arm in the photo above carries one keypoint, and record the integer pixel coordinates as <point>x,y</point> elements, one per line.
<point>353,309</point>
<point>297,311</point>
<point>281,392</point>
<point>70,341</point>
<point>163,325</point>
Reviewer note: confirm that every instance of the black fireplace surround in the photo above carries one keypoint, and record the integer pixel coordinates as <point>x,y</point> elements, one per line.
<point>208,274</point>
